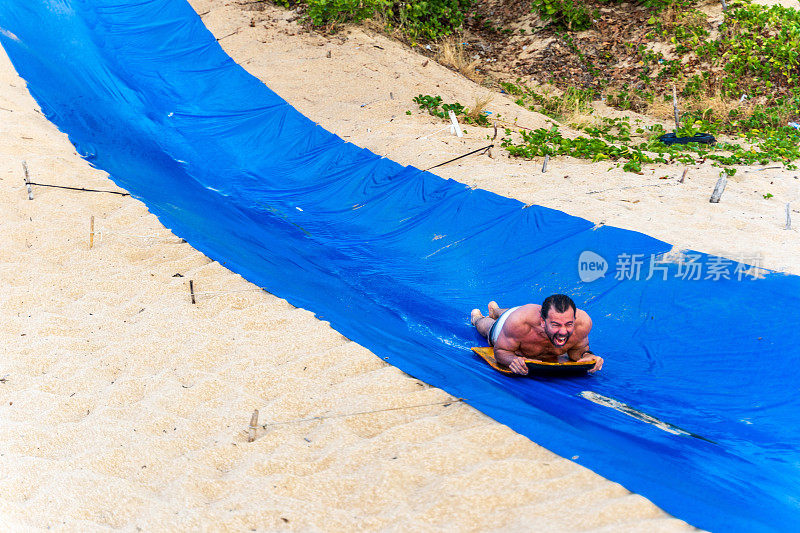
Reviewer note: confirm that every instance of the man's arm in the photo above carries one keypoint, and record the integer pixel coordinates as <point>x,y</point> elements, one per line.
<point>507,344</point>
<point>577,352</point>
<point>581,352</point>
<point>511,360</point>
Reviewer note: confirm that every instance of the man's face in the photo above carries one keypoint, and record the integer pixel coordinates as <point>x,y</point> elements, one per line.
<point>559,326</point>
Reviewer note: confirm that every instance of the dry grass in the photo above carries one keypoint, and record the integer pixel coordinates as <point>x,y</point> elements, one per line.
<point>570,106</point>
<point>451,54</point>
<point>480,104</point>
<point>574,107</point>
<point>720,107</point>
<point>659,109</point>
<point>708,106</point>
<point>582,119</point>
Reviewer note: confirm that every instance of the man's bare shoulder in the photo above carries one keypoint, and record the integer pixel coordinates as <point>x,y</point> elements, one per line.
<point>523,319</point>
<point>583,323</point>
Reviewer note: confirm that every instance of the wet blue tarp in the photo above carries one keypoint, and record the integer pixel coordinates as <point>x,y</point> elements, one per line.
<point>395,258</point>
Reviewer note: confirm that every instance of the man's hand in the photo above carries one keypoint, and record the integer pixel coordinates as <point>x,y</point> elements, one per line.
<point>518,366</point>
<point>588,358</point>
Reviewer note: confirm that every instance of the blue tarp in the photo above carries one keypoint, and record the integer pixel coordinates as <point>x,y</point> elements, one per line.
<point>395,258</point>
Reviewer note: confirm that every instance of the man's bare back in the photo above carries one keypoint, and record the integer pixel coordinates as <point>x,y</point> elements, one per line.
<point>524,332</point>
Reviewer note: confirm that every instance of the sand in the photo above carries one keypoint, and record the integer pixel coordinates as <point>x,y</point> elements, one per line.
<point>124,406</point>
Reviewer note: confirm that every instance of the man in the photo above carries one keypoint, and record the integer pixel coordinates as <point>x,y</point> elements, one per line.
<point>554,331</point>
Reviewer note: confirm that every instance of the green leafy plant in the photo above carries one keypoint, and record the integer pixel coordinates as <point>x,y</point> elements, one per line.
<point>570,14</point>
<point>429,19</point>
<point>434,106</point>
<point>332,12</point>
<point>418,20</point>
<point>573,100</point>
<point>612,139</point>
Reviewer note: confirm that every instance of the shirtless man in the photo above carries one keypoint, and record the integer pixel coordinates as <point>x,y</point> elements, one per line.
<point>553,331</point>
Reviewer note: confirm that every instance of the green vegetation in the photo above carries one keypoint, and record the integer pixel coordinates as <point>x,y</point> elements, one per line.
<point>333,12</point>
<point>744,79</point>
<point>561,107</point>
<point>417,21</point>
<point>741,80</point>
<point>572,15</point>
<point>612,138</point>
<point>602,144</point>
<point>616,140</point>
<point>740,76</point>
<point>434,106</point>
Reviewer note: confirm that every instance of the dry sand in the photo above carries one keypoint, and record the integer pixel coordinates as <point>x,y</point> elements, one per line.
<point>123,405</point>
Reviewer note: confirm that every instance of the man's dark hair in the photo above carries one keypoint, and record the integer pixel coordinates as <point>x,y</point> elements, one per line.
<point>561,302</point>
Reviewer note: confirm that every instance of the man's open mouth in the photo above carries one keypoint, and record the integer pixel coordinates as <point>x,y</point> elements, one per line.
<point>560,339</point>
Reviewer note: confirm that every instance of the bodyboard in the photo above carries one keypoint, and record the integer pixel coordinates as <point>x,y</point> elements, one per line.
<point>535,367</point>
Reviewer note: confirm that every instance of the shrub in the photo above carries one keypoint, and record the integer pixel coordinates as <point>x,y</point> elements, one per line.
<point>430,19</point>
<point>324,12</point>
<point>418,20</point>
<point>571,14</point>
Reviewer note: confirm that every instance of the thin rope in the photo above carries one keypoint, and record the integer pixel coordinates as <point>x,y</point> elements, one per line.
<point>78,189</point>
<point>151,236</point>
<point>445,403</point>
<point>435,132</point>
<point>484,149</point>
<point>632,187</point>
<point>149,240</point>
<point>515,124</point>
<point>765,168</point>
<point>231,291</point>
<point>35,157</point>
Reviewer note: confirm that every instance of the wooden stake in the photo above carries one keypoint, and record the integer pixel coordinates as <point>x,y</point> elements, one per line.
<point>91,232</point>
<point>683,176</point>
<point>191,289</point>
<point>675,108</point>
<point>724,5</point>
<point>719,188</point>
<point>455,128</point>
<point>27,180</point>
<point>544,165</point>
<point>788,217</point>
<point>251,431</point>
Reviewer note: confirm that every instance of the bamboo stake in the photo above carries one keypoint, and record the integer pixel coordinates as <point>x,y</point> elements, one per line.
<point>91,232</point>
<point>544,165</point>
<point>675,108</point>
<point>191,290</point>
<point>27,180</point>
<point>683,176</point>
<point>251,431</point>
<point>719,188</point>
<point>788,217</point>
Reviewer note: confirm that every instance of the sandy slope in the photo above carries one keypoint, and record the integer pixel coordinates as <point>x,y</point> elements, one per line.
<point>123,405</point>
<point>333,90</point>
